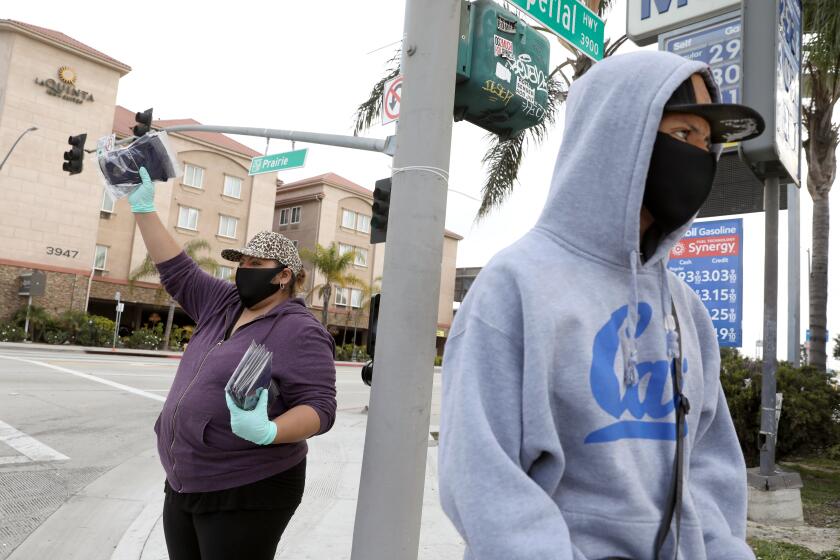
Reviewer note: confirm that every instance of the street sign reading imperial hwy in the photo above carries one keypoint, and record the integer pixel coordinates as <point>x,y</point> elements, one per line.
<point>570,20</point>
<point>278,162</point>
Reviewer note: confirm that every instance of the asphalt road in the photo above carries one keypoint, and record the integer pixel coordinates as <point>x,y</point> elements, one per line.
<point>67,418</point>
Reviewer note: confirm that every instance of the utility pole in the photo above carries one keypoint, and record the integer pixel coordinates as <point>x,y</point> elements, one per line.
<point>794,282</point>
<point>767,433</point>
<point>390,501</point>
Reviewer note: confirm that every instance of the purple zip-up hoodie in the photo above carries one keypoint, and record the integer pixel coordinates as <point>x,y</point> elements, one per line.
<point>197,448</point>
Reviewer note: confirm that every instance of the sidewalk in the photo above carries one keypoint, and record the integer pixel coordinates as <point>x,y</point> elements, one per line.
<point>113,352</point>
<point>110,520</point>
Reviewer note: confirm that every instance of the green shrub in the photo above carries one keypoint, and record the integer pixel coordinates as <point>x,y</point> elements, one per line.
<point>97,331</point>
<point>145,338</point>
<point>176,338</point>
<point>438,360</point>
<point>39,320</point>
<point>72,323</point>
<point>9,332</point>
<point>810,420</point>
<point>56,335</point>
<point>345,353</point>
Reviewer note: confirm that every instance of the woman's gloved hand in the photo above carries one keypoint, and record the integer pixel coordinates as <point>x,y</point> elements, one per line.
<point>142,200</point>
<point>252,425</point>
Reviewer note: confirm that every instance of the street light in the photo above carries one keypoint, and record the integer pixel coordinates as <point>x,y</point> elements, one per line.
<point>30,129</point>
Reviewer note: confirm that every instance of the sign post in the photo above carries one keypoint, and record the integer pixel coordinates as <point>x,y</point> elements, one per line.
<point>772,87</point>
<point>33,283</point>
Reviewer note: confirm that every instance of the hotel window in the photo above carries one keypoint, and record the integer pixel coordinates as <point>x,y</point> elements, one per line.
<point>362,223</point>
<point>100,257</point>
<point>356,298</point>
<point>296,215</point>
<point>284,217</point>
<point>107,202</point>
<point>341,296</point>
<point>227,226</point>
<point>187,217</point>
<point>233,186</point>
<point>361,256</point>
<point>193,176</point>
<point>344,248</point>
<point>224,272</point>
<point>348,219</point>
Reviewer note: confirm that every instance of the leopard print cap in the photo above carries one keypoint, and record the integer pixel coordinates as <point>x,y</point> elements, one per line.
<point>268,245</point>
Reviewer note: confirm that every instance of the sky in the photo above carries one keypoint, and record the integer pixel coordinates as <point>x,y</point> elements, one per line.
<point>307,66</point>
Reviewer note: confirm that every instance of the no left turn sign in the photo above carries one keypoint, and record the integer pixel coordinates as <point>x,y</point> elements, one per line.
<point>391,95</point>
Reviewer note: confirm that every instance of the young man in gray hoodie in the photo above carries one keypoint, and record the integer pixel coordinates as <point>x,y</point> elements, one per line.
<point>577,357</point>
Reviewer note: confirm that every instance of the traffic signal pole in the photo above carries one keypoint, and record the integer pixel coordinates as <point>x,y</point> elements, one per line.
<point>389,508</point>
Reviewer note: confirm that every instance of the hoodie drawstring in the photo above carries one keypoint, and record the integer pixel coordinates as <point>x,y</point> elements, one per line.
<point>631,377</point>
<point>672,337</point>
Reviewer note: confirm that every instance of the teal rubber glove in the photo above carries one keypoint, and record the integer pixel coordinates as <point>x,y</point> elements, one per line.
<point>252,425</point>
<point>142,200</point>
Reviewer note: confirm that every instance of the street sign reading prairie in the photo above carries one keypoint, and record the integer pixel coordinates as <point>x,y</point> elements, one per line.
<point>570,20</point>
<point>278,162</point>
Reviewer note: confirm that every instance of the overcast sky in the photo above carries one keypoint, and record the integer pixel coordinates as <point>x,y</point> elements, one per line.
<point>307,66</point>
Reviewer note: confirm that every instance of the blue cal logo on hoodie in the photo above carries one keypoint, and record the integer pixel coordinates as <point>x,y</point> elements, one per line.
<point>606,388</point>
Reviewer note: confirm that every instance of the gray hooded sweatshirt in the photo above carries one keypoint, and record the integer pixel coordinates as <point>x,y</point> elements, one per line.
<point>558,427</point>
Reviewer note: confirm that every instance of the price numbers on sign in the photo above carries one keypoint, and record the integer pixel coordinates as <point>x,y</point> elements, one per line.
<point>719,46</point>
<point>708,259</point>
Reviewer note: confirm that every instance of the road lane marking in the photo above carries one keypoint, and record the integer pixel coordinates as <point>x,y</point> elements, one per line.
<point>94,378</point>
<point>28,446</point>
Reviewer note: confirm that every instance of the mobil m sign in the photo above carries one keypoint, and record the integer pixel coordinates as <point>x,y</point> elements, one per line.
<point>646,19</point>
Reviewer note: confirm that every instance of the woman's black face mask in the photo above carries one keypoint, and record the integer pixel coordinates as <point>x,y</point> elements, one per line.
<point>254,284</point>
<point>679,180</point>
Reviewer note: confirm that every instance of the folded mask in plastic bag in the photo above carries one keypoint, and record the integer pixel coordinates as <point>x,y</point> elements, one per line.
<point>252,374</point>
<point>120,166</point>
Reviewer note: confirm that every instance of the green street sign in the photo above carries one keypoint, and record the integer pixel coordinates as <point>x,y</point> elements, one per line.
<point>570,20</point>
<point>278,162</point>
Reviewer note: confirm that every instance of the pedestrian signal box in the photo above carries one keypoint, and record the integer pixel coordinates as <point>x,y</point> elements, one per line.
<point>502,74</point>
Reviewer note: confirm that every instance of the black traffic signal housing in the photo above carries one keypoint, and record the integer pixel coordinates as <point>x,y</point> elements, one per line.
<point>370,348</point>
<point>75,155</point>
<point>381,205</point>
<point>144,123</point>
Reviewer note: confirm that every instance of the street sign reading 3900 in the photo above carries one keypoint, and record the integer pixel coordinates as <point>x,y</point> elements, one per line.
<point>570,20</point>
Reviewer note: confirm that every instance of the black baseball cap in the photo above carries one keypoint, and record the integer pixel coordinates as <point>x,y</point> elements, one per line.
<point>729,122</point>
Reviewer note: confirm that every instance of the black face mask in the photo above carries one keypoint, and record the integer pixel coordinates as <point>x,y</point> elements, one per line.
<point>679,180</point>
<point>254,284</point>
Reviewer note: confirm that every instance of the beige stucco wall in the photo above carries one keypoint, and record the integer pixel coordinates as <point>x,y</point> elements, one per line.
<point>40,205</point>
<point>447,282</point>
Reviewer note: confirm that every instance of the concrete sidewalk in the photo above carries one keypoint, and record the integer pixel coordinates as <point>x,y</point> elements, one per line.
<point>118,517</point>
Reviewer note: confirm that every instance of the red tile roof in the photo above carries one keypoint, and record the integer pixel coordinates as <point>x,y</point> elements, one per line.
<point>124,122</point>
<point>338,180</point>
<point>63,39</point>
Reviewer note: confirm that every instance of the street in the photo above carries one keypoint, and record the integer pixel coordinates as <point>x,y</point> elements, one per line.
<point>76,430</point>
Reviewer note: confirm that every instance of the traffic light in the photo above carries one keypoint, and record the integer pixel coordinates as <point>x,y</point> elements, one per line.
<point>381,205</point>
<point>144,123</point>
<point>75,155</point>
<point>370,348</point>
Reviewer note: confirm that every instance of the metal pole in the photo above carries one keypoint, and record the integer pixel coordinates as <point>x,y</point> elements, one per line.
<point>30,129</point>
<point>90,281</point>
<point>793,274</point>
<point>390,501</point>
<point>383,145</point>
<point>26,323</point>
<point>767,433</point>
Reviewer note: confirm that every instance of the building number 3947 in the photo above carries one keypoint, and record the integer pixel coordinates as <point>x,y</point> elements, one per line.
<point>59,252</point>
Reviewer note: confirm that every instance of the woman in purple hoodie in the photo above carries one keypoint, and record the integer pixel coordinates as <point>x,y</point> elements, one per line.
<point>235,477</point>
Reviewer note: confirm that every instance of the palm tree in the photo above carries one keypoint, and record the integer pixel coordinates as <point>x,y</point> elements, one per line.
<point>504,156</point>
<point>147,268</point>
<point>821,25</point>
<point>333,266</point>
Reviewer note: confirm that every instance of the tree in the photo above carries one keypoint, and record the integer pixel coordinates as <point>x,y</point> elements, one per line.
<point>837,347</point>
<point>333,267</point>
<point>147,269</point>
<point>821,25</point>
<point>504,156</point>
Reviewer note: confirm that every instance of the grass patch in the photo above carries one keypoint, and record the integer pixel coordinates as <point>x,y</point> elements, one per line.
<point>820,491</point>
<point>767,550</point>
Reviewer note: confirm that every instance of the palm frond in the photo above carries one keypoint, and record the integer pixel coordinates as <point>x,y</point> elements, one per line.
<point>145,269</point>
<point>504,156</point>
<point>370,109</point>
